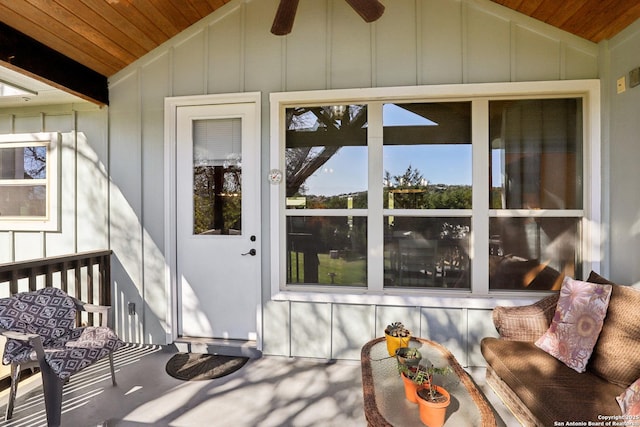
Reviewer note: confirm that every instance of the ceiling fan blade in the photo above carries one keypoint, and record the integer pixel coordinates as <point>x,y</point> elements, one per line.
<point>369,10</point>
<point>283,21</point>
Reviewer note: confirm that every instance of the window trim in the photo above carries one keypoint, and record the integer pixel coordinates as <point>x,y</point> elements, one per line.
<point>479,95</point>
<point>51,220</point>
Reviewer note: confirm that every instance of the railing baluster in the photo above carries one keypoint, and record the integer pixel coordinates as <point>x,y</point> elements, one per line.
<point>78,288</point>
<point>48,279</point>
<point>32,280</point>
<point>64,276</point>
<point>105,286</point>
<point>89,299</point>
<point>90,283</point>
<point>13,284</point>
<point>78,278</point>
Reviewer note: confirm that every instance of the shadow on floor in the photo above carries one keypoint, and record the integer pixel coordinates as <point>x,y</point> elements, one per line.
<point>270,391</point>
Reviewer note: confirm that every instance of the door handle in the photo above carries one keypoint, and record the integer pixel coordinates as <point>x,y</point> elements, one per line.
<point>252,252</point>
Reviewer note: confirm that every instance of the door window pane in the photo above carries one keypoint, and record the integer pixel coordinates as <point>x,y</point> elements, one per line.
<point>426,252</point>
<point>327,250</point>
<point>533,253</point>
<point>536,154</point>
<point>427,155</point>
<point>326,157</point>
<point>217,176</point>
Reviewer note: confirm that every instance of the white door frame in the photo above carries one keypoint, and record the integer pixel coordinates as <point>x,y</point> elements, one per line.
<point>171,105</point>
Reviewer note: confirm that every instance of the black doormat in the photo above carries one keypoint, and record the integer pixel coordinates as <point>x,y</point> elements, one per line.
<point>197,367</point>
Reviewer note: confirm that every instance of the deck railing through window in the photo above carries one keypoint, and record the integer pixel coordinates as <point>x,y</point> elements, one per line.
<point>85,276</point>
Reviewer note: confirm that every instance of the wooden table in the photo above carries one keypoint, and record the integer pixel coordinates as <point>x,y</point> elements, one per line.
<point>384,400</point>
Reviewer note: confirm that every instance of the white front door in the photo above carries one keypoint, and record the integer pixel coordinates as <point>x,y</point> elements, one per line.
<point>218,221</point>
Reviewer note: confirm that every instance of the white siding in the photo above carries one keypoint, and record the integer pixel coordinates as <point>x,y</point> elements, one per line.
<point>395,47</point>
<point>351,328</point>
<point>439,45</point>
<point>416,42</point>
<point>622,149</point>
<point>83,180</point>
<point>92,185</point>
<point>311,330</point>
<point>126,208</point>
<point>312,72</point>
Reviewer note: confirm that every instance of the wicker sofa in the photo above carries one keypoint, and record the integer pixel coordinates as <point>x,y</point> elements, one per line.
<point>541,390</point>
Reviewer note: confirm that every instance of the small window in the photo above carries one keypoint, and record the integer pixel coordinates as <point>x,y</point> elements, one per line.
<point>29,182</point>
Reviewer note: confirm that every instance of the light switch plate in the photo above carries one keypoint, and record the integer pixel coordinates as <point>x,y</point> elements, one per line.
<point>620,85</point>
<point>634,77</point>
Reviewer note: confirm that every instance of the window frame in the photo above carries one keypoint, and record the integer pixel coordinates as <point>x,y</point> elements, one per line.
<point>479,95</point>
<point>51,220</point>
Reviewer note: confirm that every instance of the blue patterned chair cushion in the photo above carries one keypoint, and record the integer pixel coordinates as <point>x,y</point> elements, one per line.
<point>51,313</point>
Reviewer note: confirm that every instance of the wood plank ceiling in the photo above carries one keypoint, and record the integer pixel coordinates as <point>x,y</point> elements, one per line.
<point>594,20</point>
<point>106,35</point>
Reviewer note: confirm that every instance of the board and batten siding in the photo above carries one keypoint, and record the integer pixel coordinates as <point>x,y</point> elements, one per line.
<point>621,157</point>
<point>416,42</point>
<point>83,180</point>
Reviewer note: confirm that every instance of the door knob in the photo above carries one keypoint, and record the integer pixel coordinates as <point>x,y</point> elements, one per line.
<point>252,252</point>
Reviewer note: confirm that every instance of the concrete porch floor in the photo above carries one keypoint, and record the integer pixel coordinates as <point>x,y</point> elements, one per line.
<point>266,392</point>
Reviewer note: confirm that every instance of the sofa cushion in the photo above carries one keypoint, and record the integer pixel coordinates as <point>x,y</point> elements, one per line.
<point>615,356</point>
<point>551,390</point>
<point>527,322</point>
<point>577,322</point>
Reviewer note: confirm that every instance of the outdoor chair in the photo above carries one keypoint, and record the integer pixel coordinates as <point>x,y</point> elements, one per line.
<point>41,331</point>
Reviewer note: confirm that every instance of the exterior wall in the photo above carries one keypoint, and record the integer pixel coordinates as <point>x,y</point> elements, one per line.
<point>416,42</point>
<point>83,184</point>
<point>622,144</point>
<point>83,180</point>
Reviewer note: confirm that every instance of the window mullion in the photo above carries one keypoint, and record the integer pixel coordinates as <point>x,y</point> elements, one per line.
<point>375,236</point>
<point>480,197</point>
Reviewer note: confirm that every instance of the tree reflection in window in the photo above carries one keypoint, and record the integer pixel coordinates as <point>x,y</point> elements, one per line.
<point>35,162</point>
<point>316,135</point>
<point>18,164</point>
<point>217,194</point>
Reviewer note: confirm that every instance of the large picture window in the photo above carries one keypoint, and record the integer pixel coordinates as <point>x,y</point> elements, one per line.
<point>28,181</point>
<point>421,192</point>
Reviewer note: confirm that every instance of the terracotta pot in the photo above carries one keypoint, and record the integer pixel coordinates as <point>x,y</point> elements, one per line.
<point>394,343</point>
<point>410,389</point>
<point>433,414</point>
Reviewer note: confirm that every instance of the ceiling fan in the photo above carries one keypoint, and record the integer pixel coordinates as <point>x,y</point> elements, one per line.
<point>369,10</point>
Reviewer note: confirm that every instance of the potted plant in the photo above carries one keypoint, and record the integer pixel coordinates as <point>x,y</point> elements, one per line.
<point>417,377</point>
<point>410,387</point>
<point>432,399</point>
<point>408,356</point>
<point>397,336</point>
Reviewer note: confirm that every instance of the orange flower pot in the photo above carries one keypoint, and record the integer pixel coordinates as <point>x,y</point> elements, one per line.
<point>433,414</point>
<point>410,389</point>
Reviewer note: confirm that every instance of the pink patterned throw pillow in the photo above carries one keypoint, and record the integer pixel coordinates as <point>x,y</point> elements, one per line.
<point>577,322</point>
<point>629,400</point>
